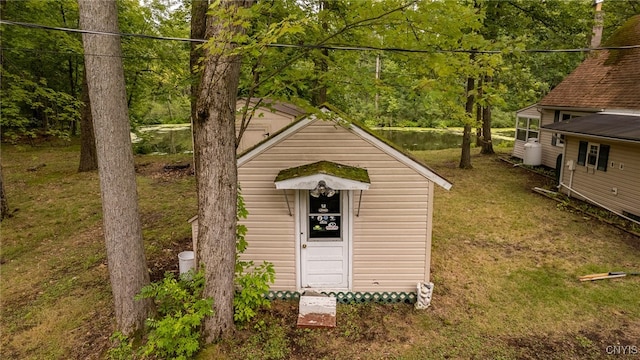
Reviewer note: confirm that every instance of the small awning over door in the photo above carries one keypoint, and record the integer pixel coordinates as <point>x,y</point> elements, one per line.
<point>335,176</point>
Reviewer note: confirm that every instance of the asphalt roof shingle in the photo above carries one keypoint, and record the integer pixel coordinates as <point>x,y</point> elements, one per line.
<point>613,126</point>
<point>607,79</point>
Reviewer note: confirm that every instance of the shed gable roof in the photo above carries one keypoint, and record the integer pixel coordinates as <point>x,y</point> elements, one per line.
<point>359,130</point>
<point>607,79</point>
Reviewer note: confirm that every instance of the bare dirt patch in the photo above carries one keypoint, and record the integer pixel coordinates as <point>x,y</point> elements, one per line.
<point>167,260</point>
<point>164,171</point>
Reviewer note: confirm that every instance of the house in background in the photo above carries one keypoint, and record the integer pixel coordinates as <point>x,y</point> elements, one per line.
<point>269,117</point>
<point>601,160</point>
<point>336,208</point>
<point>607,81</point>
<point>527,128</point>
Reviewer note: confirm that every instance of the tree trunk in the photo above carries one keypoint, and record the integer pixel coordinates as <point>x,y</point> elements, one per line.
<point>319,91</point>
<point>216,177</point>
<point>4,205</point>
<point>479,116</point>
<point>71,70</point>
<point>198,29</point>
<point>321,65</point>
<point>122,231</point>
<point>487,144</point>
<point>465,157</point>
<point>88,157</point>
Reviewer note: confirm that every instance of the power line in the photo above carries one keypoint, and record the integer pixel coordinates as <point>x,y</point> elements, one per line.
<point>325,46</point>
<point>81,54</point>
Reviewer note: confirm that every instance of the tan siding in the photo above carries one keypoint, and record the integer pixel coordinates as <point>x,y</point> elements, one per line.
<point>549,152</point>
<point>262,123</point>
<point>518,149</point>
<point>530,112</point>
<point>390,235</point>
<point>597,185</point>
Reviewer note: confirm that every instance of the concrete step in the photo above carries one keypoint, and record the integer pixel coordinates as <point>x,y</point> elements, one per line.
<point>317,311</point>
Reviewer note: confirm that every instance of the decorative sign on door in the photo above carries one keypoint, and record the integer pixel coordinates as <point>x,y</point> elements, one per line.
<point>325,218</point>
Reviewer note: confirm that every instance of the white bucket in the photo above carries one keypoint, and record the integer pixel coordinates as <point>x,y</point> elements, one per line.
<point>185,261</point>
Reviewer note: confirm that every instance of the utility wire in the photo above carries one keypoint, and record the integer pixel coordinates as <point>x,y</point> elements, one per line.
<point>324,46</point>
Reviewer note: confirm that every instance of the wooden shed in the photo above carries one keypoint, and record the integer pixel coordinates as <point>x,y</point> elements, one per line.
<point>336,208</point>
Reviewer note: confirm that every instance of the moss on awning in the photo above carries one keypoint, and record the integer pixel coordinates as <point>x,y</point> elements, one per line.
<point>328,168</point>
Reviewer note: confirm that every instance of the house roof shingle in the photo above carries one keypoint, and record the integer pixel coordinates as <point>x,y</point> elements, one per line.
<point>608,79</point>
<point>603,125</point>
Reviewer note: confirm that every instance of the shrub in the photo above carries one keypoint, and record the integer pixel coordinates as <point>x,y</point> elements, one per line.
<point>252,282</point>
<point>177,331</point>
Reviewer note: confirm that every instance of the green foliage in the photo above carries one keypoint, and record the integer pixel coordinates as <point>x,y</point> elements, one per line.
<point>181,309</point>
<point>40,70</point>
<point>156,72</point>
<point>252,282</point>
<point>31,108</point>
<point>502,119</point>
<point>268,343</point>
<point>122,348</point>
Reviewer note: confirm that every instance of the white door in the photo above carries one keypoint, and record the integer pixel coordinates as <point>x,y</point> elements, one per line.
<point>324,241</point>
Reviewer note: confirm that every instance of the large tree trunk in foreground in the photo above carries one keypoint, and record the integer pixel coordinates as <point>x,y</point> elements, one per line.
<point>215,158</point>
<point>88,156</point>
<point>198,29</point>
<point>465,157</point>
<point>123,235</point>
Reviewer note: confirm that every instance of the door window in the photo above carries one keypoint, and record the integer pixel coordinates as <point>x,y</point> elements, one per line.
<point>325,219</point>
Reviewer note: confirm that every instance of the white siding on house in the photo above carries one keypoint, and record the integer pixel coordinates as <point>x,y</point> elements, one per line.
<point>518,149</point>
<point>390,244</point>
<point>598,185</point>
<point>528,112</point>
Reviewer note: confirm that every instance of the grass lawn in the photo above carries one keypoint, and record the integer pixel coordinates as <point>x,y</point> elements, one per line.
<point>505,264</point>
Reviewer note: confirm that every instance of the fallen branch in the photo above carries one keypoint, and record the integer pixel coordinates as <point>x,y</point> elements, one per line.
<point>176,167</point>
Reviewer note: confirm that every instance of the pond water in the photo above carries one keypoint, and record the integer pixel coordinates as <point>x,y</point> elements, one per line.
<point>162,139</point>
<point>176,138</point>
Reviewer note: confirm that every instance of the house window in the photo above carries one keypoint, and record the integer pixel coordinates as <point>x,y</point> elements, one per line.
<point>558,139</point>
<point>527,128</point>
<point>593,155</point>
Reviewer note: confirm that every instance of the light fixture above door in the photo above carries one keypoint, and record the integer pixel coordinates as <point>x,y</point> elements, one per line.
<point>322,189</point>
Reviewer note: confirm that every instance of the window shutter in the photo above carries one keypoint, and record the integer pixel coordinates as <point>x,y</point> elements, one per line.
<point>603,158</point>
<point>582,153</point>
